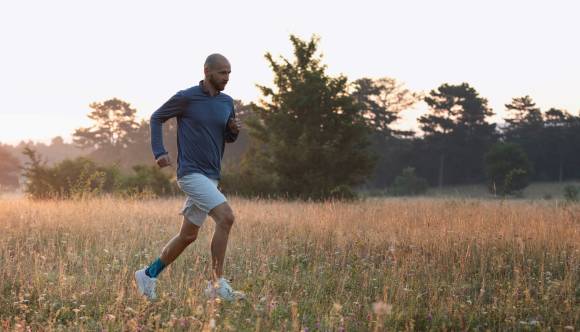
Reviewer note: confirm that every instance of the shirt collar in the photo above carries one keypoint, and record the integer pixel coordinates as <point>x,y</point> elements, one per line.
<point>205,90</point>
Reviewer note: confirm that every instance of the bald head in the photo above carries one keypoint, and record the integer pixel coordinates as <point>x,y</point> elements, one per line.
<point>217,71</point>
<point>215,60</point>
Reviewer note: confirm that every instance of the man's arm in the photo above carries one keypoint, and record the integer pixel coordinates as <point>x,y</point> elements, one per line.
<point>172,108</point>
<point>233,128</point>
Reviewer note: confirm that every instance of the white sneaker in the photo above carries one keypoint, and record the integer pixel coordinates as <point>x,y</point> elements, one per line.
<point>223,290</point>
<point>146,284</point>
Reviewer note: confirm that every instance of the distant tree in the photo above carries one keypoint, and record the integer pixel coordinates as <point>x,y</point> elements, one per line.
<point>114,121</point>
<point>574,143</point>
<point>522,111</point>
<point>138,152</point>
<point>311,136</point>
<point>551,140</point>
<point>57,141</point>
<point>54,152</point>
<point>381,101</point>
<point>524,127</point>
<point>558,145</point>
<point>457,132</point>
<point>9,168</point>
<point>508,168</point>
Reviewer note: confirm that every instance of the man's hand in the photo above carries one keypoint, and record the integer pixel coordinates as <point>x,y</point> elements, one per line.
<point>163,161</point>
<point>235,125</point>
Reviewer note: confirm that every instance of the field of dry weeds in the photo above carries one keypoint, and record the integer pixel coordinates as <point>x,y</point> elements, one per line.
<point>388,264</point>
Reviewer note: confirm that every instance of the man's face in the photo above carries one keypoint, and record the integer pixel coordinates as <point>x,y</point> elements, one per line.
<point>219,75</point>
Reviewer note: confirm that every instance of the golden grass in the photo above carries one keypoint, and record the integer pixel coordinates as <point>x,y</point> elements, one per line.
<point>394,264</point>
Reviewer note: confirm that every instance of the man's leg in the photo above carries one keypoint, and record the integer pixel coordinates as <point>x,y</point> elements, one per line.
<point>174,248</point>
<point>187,234</point>
<point>224,219</point>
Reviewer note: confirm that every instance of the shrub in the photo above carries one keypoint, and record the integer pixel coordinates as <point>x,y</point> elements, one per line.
<point>81,177</point>
<point>343,192</point>
<point>148,181</point>
<point>508,168</point>
<point>408,183</point>
<point>571,193</point>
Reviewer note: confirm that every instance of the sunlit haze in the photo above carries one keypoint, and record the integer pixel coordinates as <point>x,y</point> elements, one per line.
<point>59,56</point>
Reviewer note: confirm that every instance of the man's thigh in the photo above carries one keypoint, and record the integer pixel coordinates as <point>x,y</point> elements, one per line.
<point>188,229</point>
<point>201,191</point>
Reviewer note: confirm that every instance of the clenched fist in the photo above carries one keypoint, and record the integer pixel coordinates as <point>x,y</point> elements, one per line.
<point>163,161</point>
<point>235,125</point>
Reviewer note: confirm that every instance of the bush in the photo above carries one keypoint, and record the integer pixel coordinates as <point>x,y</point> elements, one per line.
<point>247,182</point>
<point>571,193</point>
<point>408,184</point>
<point>82,177</point>
<point>508,168</point>
<point>147,181</point>
<point>69,178</point>
<point>343,192</point>
<point>515,181</point>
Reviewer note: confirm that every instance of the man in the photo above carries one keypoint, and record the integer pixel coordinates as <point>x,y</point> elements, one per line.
<point>206,121</point>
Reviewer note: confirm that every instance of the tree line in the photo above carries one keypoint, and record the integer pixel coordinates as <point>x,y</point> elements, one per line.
<point>312,135</point>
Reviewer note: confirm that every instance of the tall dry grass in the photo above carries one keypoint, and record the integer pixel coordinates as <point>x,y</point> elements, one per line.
<point>376,265</point>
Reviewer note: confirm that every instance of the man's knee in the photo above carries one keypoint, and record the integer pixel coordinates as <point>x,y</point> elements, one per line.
<point>223,216</point>
<point>227,220</point>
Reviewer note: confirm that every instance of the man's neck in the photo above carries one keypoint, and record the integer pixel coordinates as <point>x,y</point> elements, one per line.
<point>210,88</point>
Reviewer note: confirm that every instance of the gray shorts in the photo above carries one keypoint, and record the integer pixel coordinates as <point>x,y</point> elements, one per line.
<point>202,196</point>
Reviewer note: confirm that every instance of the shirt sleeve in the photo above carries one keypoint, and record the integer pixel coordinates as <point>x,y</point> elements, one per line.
<point>172,108</point>
<point>229,136</point>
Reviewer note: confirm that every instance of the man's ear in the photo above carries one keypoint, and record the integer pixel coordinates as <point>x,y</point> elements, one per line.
<point>206,70</point>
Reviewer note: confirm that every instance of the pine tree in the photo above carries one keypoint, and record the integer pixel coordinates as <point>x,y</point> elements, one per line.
<point>312,139</point>
<point>458,132</point>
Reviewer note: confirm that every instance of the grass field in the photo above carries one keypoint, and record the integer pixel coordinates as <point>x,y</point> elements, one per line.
<point>375,265</point>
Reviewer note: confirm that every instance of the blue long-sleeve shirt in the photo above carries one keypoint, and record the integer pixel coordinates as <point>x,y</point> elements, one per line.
<point>202,130</point>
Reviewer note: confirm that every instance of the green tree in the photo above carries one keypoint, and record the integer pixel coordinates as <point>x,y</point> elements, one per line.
<point>457,133</point>
<point>381,101</point>
<point>312,138</point>
<point>525,127</point>
<point>560,150</point>
<point>508,168</point>
<point>522,111</point>
<point>117,138</point>
<point>114,121</point>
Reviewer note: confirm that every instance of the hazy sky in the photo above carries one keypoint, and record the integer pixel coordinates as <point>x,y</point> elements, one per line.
<point>58,56</point>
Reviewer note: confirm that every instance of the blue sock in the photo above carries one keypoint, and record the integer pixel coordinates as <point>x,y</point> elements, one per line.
<point>155,268</point>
